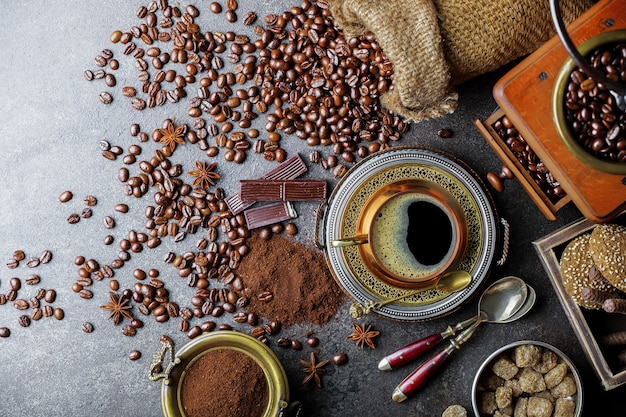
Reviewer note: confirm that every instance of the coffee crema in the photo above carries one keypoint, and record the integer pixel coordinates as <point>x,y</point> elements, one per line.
<point>412,235</point>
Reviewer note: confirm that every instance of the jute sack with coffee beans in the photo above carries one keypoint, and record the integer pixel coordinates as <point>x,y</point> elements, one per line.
<point>437,44</point>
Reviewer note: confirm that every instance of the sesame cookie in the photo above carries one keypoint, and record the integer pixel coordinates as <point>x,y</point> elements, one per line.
<point>607,246</point>
<point>575,264</point>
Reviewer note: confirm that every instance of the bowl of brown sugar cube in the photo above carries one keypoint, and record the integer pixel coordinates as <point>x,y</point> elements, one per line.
<point>527,378</point>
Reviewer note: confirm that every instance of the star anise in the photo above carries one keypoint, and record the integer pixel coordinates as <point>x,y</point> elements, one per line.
<point>172,136</point>
<point>363,336</point>
<point>118,307</point>
<point>313,370</point>
<point>204,174</point>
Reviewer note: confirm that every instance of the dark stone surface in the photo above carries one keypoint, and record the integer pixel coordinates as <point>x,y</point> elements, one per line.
<point>50,124</point>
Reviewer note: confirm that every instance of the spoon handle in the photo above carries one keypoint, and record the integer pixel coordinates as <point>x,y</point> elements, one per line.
<point>415,349</point>
<point>418,378</point>
<point>409,352</point>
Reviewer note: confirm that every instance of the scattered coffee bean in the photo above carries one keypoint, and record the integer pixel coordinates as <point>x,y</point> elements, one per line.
<point>45,257</point>
<point>445,133</point>
<point>87,327</point>
<point>73,218</point>
<point>33,262</point>
<point>90,200</point>
<point>312,341</point>
<point>5,332</point>
<point>134,355</point>
<point>65,196</point>
<point>58,313</point>
<point>109,222</point>
<point>105,97</point>
<point>340,359</point>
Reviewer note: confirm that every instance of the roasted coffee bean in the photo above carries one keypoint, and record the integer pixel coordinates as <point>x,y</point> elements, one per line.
<point>47,311</point>
<point>129,331</point>
<point>265,296</point>
<point>5,332</point>
<point>445,133</point>
<point>49,296</point>
<point>15,283</point>
<point>312,341</point>
<point>65,196</point>
<point>85,294</point>
<point>134,355</point>
<point>36,314</point>
<point>296,345</point>
<point>340,359</point>
<point>33,262</point>
<point>105,97</point>
<point>87,327</point>
<point>32,279</point>
<point>24,320</point>
<point>58,313</point>
<point>11,295</point>
<point>73,218</point>
<point>45,257</point>
<point>90,200</point>
<point>86,213</point>
<point>109,222</point>
<point>194,332</point>
<point>20,304</point>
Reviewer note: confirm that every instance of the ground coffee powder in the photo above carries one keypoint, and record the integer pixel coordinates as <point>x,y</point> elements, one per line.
<point>224,383</point>
<point>297,276</point>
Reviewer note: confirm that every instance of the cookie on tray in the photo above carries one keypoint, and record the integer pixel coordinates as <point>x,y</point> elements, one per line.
<point>607,246</point>
<point>575,264</point>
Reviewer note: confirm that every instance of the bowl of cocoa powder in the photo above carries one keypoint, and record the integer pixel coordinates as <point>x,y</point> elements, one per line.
<point>225,374</point>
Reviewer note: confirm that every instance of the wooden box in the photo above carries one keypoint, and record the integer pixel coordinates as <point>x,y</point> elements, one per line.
<point>525,95</point>
<point>588,325</point>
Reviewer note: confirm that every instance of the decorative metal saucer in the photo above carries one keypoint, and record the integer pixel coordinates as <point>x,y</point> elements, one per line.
<point>398,164</point>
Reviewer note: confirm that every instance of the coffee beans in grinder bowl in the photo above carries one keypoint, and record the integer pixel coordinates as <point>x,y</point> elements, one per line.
<point>589,99</point>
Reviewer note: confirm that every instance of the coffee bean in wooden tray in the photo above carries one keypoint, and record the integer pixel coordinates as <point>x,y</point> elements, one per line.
<point>521,162</point>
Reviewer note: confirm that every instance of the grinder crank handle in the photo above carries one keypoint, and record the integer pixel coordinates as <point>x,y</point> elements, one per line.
<point>418,378</point>
<point>415,349</point>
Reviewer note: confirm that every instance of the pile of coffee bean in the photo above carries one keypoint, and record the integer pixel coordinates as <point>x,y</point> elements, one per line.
<point>311,81</point>
<point>40,304</point>
<point>300,72</point>
<point>591,113</point>
<point>528,159</point>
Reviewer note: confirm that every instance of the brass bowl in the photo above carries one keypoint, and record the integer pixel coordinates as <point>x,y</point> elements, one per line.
<point>419,189</point>
<point>277,383</point>
<point>558,106</point>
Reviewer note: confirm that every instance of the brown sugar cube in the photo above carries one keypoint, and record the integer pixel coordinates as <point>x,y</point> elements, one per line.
<point>521,407</point>
<point>502,413</point>
<point>546,394</point>
<point>487,402</point>
<point>516,389</point>
<point>539,407</point>
<point>526,355</point>
<point>564,408</point>
<point>492,381</point>
<point>504,397</point>
<point>566,388</point>
<point>555,375</point>
<point>548,361</point>
<point>455,411</point>
<point>504,368</point>
<point>531,381</point>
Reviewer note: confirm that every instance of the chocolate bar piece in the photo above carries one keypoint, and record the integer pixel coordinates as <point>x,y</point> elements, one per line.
<point>290,169</point>
<point>269,214</point>
<point>290,190</point>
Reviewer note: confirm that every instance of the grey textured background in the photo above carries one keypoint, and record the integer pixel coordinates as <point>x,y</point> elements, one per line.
<point>50,124</point>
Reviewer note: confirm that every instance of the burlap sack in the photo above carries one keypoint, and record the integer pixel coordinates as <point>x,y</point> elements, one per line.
<point>437,44</point>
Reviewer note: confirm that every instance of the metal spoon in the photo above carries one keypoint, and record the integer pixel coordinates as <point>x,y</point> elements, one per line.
<point>499,303</point>
<point>449,282</point>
